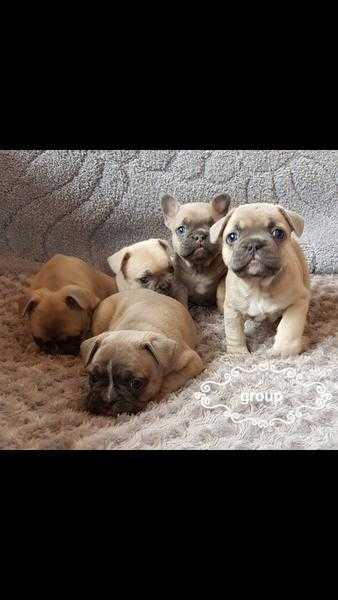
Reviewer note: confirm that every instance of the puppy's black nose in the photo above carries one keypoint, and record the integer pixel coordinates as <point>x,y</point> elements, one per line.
<point>254,244</point>
<point>164,286</point>
<point>200,235</point>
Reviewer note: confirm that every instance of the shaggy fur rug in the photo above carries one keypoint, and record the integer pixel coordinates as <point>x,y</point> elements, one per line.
<point>254,403</point>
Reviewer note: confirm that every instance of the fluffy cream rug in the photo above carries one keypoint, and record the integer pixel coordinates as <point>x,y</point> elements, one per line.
<point>253,404</point>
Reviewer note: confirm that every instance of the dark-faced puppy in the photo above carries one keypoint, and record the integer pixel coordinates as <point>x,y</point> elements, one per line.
<point>60,303</point>
<point>198,262</point>
<point>147,264</point>
<point>125,370</point>
<point>255,254</point>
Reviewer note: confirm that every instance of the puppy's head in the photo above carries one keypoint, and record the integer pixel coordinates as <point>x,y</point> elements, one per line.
<point>126,369</point>
<point>59,320</point>
<point>190,226</point>
<point>147,264</point>
<point>256,238</point>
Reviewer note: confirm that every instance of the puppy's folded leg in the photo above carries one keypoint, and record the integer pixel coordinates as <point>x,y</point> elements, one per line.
<point>234,331</point>
<point>288,340</point>
<point>220,295</point>
<point>188,366</point>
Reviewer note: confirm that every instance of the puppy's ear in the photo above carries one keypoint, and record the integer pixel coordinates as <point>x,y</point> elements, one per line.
<point>217,229</point>
<point>78,298</point>
<point>118,261</point>
<point>295,221</point>
<point>220,205</point>
<point>88,349</point>
<point>162,349</point>
<point>27,303</point>
<point>170,207</point>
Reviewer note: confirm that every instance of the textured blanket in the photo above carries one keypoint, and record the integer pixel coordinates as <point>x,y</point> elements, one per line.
<point>90,203</point>
<point>249,404</point>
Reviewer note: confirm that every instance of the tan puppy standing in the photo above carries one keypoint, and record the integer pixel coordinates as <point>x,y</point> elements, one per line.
<point>198,263</point>
<point>147,264</point>
<point>267,274</point>
<point>142,349</point>
<point>61,300</point>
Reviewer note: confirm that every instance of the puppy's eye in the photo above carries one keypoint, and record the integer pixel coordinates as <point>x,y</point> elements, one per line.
<point>144,280</point>
<point>232,237</point>
<point>98,377</point>
<point>136,384</point>
<point>171,269</point>
<point>94,378</point>
<point>278,234</point>
<point>180,230</point>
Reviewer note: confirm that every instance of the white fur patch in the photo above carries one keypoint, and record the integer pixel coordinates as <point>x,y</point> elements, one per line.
<point>202,282</point>
<point>201,288</point>
<point>259,305</point>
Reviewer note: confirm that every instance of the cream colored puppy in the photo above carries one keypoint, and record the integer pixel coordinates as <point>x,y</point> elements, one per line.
<point>142,349</point>
<point>267,274</point>
<point>147,264</point>
<point>61,300</point>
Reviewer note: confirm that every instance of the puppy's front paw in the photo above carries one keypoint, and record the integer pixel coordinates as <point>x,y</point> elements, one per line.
<point>285,349</point>
<point>237,350</point>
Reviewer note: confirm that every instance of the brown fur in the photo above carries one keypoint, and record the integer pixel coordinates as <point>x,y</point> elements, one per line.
<point>148,335</point>
<point>61,299</point>
<point>255,292</point>
<point>41,398</point>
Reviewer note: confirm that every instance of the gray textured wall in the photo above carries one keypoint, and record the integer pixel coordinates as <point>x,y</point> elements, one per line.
<point>90,203</point>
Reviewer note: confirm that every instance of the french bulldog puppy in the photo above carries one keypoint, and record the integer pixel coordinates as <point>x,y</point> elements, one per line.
<point>267,274</point>
<point>61,300</point>
<point>142,349</point>
<point>147,264</point>
<point>198,263</point>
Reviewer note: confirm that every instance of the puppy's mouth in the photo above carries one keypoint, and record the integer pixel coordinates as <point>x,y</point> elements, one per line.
<point>100,404</point>
<point>200,252</point>
<point>257,266</point>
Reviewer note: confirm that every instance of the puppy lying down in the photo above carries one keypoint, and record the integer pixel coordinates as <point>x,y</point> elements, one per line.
<point>61,300</point>
<point>142,349</point>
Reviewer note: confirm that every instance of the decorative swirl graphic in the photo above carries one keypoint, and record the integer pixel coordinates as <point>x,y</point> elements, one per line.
<point>232,378</point>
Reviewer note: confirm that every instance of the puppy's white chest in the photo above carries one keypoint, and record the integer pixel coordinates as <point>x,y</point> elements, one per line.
<point>259,305</point>
<point>202,283</point>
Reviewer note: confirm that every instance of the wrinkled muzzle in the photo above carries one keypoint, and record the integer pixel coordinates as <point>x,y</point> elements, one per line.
<point>256,257</point>
<point>111,400</point>
<point>197,247</point>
